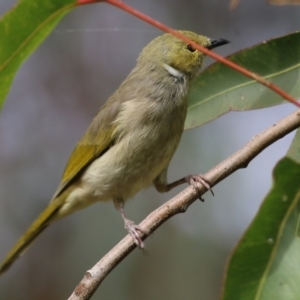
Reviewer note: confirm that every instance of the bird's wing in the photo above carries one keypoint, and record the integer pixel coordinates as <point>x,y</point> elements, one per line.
<point>97,139</point>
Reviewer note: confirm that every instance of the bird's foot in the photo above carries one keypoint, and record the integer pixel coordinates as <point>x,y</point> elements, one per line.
<point>134,230</point>
<point>194,180</point>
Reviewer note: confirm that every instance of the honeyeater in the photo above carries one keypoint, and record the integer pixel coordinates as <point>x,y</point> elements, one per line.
<point>130,142</point>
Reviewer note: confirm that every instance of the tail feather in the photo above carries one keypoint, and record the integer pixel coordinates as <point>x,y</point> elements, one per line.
<point>32,232</point>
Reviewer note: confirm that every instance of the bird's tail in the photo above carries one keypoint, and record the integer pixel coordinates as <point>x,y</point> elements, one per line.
<point>32,232</point>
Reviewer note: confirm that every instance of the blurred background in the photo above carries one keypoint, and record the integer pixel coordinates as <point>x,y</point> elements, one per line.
<point>54,97</point>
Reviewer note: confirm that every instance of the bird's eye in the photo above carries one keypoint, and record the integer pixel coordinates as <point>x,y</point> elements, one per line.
<point>190,48</point>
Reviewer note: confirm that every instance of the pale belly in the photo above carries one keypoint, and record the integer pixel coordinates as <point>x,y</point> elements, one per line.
<point>125,169</point>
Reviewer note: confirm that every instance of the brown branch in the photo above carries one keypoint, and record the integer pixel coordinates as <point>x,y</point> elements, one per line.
<point>182,201</point>
<point>256,77</point>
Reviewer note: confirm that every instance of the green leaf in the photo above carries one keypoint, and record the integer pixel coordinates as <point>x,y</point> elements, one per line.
<point>22,29</point>
<point>294,150</point>
<point>266,262</point>
<point>220,89</point>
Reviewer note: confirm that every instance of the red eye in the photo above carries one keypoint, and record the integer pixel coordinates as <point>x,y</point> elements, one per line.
<point>190,48</point>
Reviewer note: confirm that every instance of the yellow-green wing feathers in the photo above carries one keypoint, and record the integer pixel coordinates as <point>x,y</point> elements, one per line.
<point>97,139</point>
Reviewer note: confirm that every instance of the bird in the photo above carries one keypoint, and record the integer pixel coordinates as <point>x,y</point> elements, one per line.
<point>130,142</point>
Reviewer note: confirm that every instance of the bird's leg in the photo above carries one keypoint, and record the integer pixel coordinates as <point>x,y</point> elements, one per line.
<point>132,229</point>
<point>193,180</point>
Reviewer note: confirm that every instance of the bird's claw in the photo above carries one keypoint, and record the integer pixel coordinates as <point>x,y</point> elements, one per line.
<point>134,230</point>
<point>194,180</point>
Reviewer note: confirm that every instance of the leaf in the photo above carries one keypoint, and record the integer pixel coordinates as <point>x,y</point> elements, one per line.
<point>22,29</point>
<point>266,261</point>
<point>294,150</point>
<point>220,89</point>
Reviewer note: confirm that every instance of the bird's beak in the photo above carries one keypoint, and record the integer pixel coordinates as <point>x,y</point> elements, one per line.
<point>216,43</point>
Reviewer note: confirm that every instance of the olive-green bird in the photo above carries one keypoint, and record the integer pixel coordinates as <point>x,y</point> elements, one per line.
<point>130,142</point>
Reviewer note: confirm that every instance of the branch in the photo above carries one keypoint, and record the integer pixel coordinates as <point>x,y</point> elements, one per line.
<point>93,277</point>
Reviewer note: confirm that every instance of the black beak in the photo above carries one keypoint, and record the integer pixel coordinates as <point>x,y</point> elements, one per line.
<point>216,43</point>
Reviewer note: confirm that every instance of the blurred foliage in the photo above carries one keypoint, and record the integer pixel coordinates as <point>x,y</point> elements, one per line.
<point>284,2</point>
<point>235,3</point>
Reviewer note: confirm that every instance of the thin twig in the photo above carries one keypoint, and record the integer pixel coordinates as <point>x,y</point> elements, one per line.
<point>182,201</point>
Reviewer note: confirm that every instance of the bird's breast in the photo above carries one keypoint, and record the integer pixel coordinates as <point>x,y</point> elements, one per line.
<point>146,139</point>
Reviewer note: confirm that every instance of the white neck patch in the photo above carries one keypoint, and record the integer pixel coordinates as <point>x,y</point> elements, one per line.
<point>174,72</point>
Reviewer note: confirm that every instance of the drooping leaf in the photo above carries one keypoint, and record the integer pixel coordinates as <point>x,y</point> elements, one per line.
<point>266,262</point>
<point>22,29</point>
